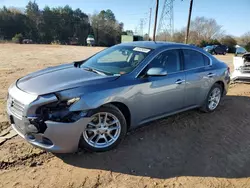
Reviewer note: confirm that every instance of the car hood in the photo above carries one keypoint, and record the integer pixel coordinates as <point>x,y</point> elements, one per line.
<point>59,78</point>
<point>247,54</point>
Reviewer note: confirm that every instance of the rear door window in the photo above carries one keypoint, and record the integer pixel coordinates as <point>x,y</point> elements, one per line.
<point>194,59</point>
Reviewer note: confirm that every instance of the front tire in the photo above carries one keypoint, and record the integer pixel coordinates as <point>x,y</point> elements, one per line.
<point>213,99</point>
<point>106,129</point>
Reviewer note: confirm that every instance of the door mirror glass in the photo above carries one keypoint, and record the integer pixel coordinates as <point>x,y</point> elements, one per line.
<point>156,72</point>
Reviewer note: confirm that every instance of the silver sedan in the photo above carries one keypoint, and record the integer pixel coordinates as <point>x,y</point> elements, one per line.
<point>94,102</point>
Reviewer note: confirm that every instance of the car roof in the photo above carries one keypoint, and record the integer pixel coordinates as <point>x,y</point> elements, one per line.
<point>152,44</point>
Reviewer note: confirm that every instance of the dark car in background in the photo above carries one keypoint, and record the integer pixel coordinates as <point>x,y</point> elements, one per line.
<point>209,49</point>
<point>216,49</point>
<point>224,47</point>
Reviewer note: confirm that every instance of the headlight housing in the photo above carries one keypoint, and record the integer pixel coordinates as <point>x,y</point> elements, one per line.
<point>72,101</point>
<point>59,111</point>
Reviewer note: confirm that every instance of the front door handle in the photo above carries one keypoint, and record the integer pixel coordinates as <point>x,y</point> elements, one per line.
<point>179,81</point>
<point>210,75</point>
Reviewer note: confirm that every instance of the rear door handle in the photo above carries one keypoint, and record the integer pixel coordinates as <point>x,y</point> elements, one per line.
<point>179,81</point>
<point>210,75</point>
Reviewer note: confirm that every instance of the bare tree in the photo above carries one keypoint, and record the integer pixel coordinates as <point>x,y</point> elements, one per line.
<point>178,36</point>
<point>244,39</point>
<point>229,41</point>
<point>163,36</point>
<point>202,28</point>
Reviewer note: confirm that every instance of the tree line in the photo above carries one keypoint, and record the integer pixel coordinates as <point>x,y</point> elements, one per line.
<point>61,25</point>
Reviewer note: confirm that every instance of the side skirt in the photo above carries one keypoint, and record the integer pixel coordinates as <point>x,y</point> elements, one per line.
<point>166,115</point>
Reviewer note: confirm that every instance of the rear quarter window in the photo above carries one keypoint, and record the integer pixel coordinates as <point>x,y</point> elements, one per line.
<point>206,60</point>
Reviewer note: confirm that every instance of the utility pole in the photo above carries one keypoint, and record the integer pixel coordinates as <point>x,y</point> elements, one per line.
<point>136,31</point>
<point>141,26</point>
<point>149,24</point>
<point>156,15</point>
<point>189,18</point>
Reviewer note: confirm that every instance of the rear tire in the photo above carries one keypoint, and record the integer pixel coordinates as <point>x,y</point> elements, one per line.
<point>110,134</point>
<point>213,99</point>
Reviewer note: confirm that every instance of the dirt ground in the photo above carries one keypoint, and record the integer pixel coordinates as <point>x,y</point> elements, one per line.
<point>191,149</point>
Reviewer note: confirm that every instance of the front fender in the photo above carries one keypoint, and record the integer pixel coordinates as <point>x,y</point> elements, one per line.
<point>96,99</point>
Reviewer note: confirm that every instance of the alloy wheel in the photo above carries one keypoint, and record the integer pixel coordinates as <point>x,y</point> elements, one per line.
<point>214,98</point>
<point>103,130</point>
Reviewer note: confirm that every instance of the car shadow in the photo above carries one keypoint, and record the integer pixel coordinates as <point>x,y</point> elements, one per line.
<point>188,144</point>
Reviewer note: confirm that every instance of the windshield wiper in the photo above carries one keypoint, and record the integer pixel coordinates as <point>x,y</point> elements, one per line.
<point>93,70</point>
<point>99,71</point>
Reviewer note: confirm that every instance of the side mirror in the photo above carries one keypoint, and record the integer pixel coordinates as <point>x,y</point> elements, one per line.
<point>156,72</point>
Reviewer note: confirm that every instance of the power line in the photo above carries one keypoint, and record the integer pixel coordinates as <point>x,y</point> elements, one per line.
<point>139,29</point>
<point>149,23</point>
<point>141,26</point>
<point>136,32</point>
<point>166,24</point>
<point>151,3</point>
<point>137,13</point>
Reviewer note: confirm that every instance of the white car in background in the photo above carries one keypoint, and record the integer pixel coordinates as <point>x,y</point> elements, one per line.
<point>90,40</point>
<point>241,68</point>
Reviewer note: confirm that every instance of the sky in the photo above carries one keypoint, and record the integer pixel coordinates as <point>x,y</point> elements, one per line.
<point>233,15</point>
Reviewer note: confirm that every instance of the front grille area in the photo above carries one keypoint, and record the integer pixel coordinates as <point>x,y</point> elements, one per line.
<point>16,107</point>
<point>245,69</point>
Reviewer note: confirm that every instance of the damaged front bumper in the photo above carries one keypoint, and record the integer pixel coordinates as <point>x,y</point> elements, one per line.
<point>53,136</point>
<point>57,138</point>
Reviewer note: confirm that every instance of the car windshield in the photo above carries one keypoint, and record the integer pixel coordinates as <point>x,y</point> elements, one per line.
<point>240,50</point>
<point>117,60</point>
<point>209,47</point>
